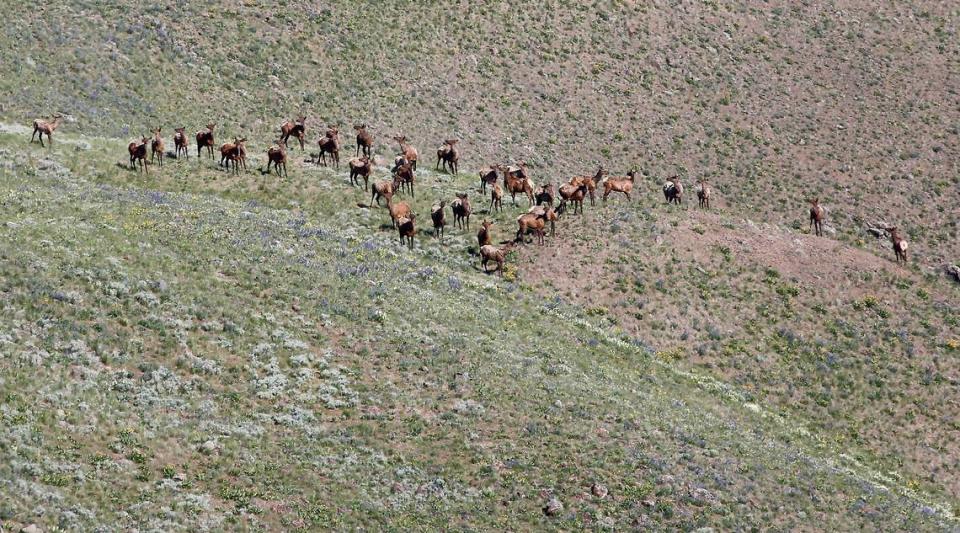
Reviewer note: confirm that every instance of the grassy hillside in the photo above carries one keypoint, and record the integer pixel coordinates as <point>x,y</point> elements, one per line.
<point>189,349</point>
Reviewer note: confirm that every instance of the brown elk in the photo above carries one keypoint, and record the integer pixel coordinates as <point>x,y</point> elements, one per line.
<point>364,140</point>
<point>461,210</point>
<point>294,128</point>
<point>234,154</point>
<point>703,194</point>
<point>489,253</point>
<point>406,150</point>
<point>533,223</point>
<point>488,176</point>
<point>156,147</point>
<point>673,190</point>
<point>360,167</point>
<point>817,214</point>
<point>277,156</point>
<point>483,236</point>
<point>623,184</point>
<point>439,219</point>
<point>397,211</point>
<point>205,140</point>
<point>516,180</point>
<point>330,143</point>
<point>180,141</point>
<point>384,189</point>
<point>573,194</point>
<point>899,244</point>
<point>545,196</point>
<point>404,174</point>
<point>591,181</point>
<point>449,155</point>
<point>43,127</point>
<point>138,153</point>
<point>496,197</point>
<point>406,229</point>
<point>549,213</point>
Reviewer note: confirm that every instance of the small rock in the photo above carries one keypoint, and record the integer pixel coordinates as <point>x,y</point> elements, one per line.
<point>32,528</point>
<point>553,507</point>
<point>648,502</point>
<point>599,490</point>
<point>209,447</point>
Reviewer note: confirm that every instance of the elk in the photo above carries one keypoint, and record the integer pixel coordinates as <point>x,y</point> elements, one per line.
<point>404,174</point>
<point>488,176</point>
<point>407,151</point>
<point>899,244</point>
<point>623,184</point>
<point>449,156</point>
<point>533,223</point>
<point>406,229</point>
<point>461,210</point>
<point>294,128</point>
<point>234,154</point>
<point>138,152</point>
<point>483,236</point>
<point>277,156</point>
<point>673,190</point>
<point>545,196</point>
<point>489,253</point>
<point>384,189</point>
<point>330,143</point>
<point>180,141</point>
<point>817,213</point>
<point>360,167</point>
<point>591,181</point>
<point>516,180</point>
<point>397,211</point>
<point>549,213</point>
<point>496,197</point>
<point>703,194</point>
<point>439,219</point>
<point>573,194</point>
<point>205,140</point>
<point>42,127</point>
<point>364,140</point>
<point>156,147</point>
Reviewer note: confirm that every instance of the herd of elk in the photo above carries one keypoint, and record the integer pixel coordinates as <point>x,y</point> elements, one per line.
<point>43,127</point>
<point>294,128</point>
<point>515,179</point>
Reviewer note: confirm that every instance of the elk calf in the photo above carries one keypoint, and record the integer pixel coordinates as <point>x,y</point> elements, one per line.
<point>180,142</point>
<point>483,236</point>
<point>277,156</point>
<point>439,219</point>
<point>156,147</point>
<point>496,197</point>
<point>360,167</point>
<point>43,127</point>
<point>406,229</point>
<point>703,195</point>
<point>205,140</point>
<point>330,144</point>
<point>138,153</point>
<point>492,253</point>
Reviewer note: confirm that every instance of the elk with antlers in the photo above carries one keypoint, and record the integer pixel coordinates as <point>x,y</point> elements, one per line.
<point>42,127</point>
<point>138,153</point>
<point>408,152</point>
<point>817,214</point>
<point>449,155</point>
<point>294,128</point>
<point>205,140</point>
<point>156,147</point>
<point>180,142</point>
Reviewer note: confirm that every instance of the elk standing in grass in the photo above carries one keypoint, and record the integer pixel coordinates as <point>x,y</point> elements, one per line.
<point>489,253</point>
<point>483,236</point>
<point>623,184</point>
<point>397,211</point>
<point>156,147</point>
<point>180,142</point>
<point>42,127</point>
<point>205,140</point>
<point>549,214</point>
<point>516,181</point>
<point>535,223</point>
<point>404,175</point>
<point>899,244</point>
<point>277,156</point>
<point>361,167</point>
<point>449,156</point>
<point>591,182</point>
<point>673,190</point>
<point>573,194</point>
<point>294,128</point>
<point>330,143</point>
<point>234,154</point>
<point>461,210</point>
<point>138,153</point>
<point>406,229</point>
<point>364,140</point>
<point>384,189</point>
<point>545,196</point>
<point>439,219</point>
<point>488,176</point>
<point>817,214</point>
<point>407,151</point>
<point>496,197</point>
<point>703,194</point>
